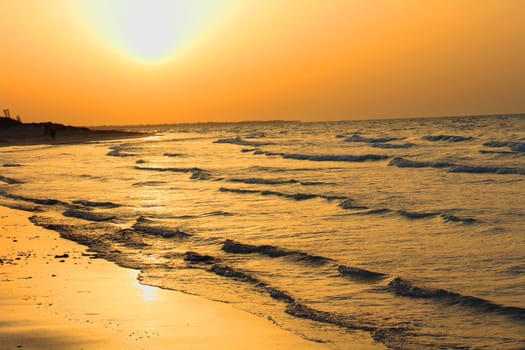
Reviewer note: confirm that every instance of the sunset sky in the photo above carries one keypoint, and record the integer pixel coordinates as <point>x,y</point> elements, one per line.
<point>120,62</point>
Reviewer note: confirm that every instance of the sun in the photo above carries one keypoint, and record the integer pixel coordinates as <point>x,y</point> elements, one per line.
<point>153,30</point>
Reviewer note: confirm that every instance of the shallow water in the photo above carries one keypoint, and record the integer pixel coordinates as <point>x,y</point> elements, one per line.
<point>410,230</point>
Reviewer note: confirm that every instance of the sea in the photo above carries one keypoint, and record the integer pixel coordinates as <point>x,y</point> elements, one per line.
<point>409,231</point>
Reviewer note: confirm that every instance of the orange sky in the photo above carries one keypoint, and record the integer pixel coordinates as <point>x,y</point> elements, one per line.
<point>81,62</point>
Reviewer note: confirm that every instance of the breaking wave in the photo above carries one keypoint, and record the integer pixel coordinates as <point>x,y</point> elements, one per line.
<point>259,181</point>
<point>360,274</point>
<point>294,196</point>
<point>149,227</point>
<point>349,203</point>
<point>394,145</point>
<point>359,138</point>
<point>149,183</point>
<point>514,146</point>
<point>88,215</point>
<point>417,215</point>
<point>9,180</point>
<point>238,275</point>
<point>448,138</point>
<point>326,157</point>
<point>241,142</point>
<point>196,173</point>
<point>32,200</point>
<point>407,163</point>
<point>234,247</point>
<point>445,216</point>
<point>455,168</point>
<point>105,205</point>
<point>119,151</point>
<point>405,288</point>
<point>486,170</point>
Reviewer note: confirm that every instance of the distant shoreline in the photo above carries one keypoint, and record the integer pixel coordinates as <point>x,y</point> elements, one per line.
<point>299,121</point>
<point>15,133</point>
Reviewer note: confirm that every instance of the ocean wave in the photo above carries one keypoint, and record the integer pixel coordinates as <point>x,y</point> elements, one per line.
<point>212,213</point>
<point>486,170</point>
<point>302,311</point>
<point>234,247</point>
<point>196,173</point>
<point>21,206</point>
<point>118,151</point>
<point>105,205</point>
<point>401,162</point>
<point>447,217</point>
<point>293,196</point>
<point>32,200</point>
<point>453,218</point>
<point>484,151</point>
<point>196,258</point>
<point>88,215</point>
<point>448,138</point>
<point>65,231</point>
<point>11,165</point>
<point>349,203</point>
<point>226,271</point>
<point>393,145</point>
<point>259,181</point>
<point>359,138</point>
<point>10,181</point>
<point>360,274</point>
<point>444,215</point>
<point>374,212</point>
<point>417,215</point>
<point>172,155</point>
<point>241,276</point>
<point>145,226</point>
<point>149,183</point>
<point>217,213</point>
<point>392,337</point>
<point>326,157</point>
<point>256,135</point>
<point>241,142</point>
<point>278,170</point>
<point>455,168</point>
<point>99,237</point>
<point>405,288</point>
<point>514,146</point>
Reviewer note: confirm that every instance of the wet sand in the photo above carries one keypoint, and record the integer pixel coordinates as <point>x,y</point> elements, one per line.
<point>56,295</point>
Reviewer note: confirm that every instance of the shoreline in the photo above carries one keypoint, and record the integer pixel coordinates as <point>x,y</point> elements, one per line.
<point>55,294</point>
<point>8,139</point>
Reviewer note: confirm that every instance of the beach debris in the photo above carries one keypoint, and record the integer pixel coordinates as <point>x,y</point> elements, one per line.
<point>63,256</point>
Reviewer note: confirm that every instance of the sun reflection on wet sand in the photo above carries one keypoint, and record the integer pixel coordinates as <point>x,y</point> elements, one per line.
<point>149,293</point>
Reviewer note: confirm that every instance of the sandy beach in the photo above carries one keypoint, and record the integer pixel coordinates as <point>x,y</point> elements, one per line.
<point>56,295</point>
